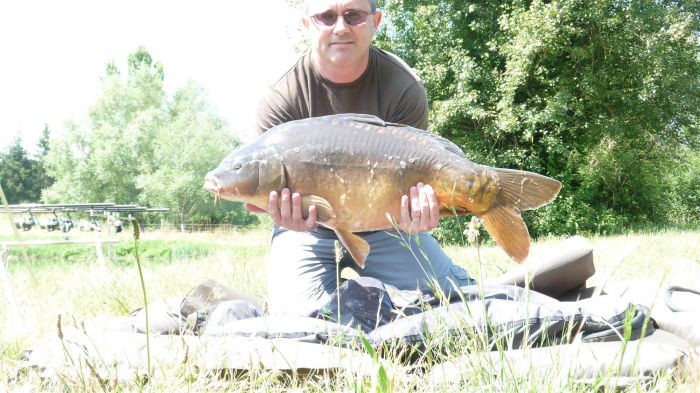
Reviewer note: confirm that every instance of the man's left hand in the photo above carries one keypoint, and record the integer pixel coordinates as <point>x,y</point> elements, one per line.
<point>420,210</point>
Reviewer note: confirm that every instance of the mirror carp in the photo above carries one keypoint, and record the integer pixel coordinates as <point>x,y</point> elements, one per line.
<point>355,168</point>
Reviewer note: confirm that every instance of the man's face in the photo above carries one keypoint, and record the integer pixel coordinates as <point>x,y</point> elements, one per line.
<point>341,43</point>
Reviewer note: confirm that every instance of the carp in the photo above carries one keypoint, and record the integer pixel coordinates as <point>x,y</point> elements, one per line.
<point>355,168</point>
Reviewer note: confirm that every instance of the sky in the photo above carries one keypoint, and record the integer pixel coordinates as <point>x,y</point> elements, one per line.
<point>54,53</point>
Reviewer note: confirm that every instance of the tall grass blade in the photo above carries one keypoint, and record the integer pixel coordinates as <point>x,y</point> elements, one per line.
<point>135,226</point>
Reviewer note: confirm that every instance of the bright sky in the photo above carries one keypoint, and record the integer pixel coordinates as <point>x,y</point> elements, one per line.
<point>54,52</point>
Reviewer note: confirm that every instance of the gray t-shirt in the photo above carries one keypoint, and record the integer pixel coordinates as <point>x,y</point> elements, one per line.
<point>388,89</point>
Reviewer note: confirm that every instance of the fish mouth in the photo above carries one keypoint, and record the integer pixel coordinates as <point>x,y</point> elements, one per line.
<point>211,184</point>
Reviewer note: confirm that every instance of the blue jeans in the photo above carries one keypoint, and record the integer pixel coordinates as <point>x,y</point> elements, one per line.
<point>302,270</point>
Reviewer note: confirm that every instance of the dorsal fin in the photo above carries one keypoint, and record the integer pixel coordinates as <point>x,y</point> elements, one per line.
<point>363,118</point>
<point>374,120</point>
<point>448,145</point>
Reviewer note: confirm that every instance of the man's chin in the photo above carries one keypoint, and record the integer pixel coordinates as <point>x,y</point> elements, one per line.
<point>340,56</point>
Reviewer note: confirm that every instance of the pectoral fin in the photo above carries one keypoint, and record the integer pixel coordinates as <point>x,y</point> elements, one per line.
<point>356,246</point>
<point>507,227</point>
<point>324,210</point>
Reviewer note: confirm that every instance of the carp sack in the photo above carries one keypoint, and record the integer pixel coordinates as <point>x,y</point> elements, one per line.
<point>355,168</point>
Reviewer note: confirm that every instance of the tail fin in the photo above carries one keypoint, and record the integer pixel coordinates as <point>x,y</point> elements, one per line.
<point>525,190</point>
<point>518,190</point>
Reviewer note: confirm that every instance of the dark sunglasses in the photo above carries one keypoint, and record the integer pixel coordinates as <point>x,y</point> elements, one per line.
<point>351,17</point>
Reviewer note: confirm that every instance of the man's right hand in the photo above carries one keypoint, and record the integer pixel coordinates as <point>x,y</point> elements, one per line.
<point>285,210</point>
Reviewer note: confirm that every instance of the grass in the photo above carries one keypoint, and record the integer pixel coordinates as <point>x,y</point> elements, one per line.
<point>67,280</point>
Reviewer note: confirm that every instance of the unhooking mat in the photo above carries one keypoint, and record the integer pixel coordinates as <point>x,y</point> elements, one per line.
<point>216,328</point>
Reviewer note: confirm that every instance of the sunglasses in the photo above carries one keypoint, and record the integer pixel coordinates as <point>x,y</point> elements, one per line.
<point>351,17</point>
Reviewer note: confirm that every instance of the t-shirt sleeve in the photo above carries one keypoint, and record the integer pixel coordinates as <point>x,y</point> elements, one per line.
<point>272,110</point>
<point>413,107</point>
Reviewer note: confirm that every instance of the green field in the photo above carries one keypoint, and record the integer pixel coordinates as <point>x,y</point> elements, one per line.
<point>67,280</point>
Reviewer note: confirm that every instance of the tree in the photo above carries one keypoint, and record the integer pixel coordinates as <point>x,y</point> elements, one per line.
<point>16,174</point>
<point>190,143</point>
<point>41,179</point>
<point>101,161</point>
<point>140,146</point>
<point>603,95</point>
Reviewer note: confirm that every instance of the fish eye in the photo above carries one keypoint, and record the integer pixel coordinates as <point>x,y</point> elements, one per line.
<point>237,166</point>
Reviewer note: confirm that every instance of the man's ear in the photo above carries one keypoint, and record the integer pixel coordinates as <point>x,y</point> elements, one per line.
<point>305,20</point>
<point>377,16</point>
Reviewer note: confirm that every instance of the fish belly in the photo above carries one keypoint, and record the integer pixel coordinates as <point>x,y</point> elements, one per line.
<point>368,197</point>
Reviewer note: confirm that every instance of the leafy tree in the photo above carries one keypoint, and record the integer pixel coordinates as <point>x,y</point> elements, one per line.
<point>40,178</point>
<point>16,174</point>
<point>189,144</point>
<point>67,163</point>
<point>140,146</point>
<point>22,176</point>
<point>603,95</point>
<point>101,161</point>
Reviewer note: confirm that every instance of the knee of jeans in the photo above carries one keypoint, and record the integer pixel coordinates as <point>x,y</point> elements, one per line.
<point>295,300</point>
<point>460,276</point>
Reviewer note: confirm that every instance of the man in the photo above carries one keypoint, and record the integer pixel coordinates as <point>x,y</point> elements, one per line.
<point>343,73</point>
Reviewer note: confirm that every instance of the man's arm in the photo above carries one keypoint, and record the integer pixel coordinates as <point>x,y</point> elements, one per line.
<point>413,110</point>
<point>272,111</point>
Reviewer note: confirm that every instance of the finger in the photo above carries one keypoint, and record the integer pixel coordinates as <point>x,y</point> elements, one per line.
<point>273,207</point>
<point>296,208</point>
<point>434,206</point>
<point>311,219</point>
<point>405,219</point>
<point>424,206</point>
<point>285,206</point>
<point>415,203</point>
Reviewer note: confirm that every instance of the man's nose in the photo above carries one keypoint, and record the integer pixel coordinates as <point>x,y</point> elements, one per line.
<point>340,24</point>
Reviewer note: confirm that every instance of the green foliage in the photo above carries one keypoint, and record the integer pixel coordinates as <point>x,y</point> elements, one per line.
<point>189,144</point>
<point>21,176</point>
<point>683,205</point>
<point>157,251</point>
<point>15,169</point>
<point>40,176</point>
<point>603,95</point>
<point>100,161</point>
<point>141,146</point>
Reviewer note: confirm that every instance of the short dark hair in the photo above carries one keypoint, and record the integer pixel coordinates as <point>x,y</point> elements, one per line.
<point>372,5</point>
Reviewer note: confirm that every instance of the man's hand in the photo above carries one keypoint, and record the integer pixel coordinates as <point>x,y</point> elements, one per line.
<point>285,210</point>
<point>420,210</point>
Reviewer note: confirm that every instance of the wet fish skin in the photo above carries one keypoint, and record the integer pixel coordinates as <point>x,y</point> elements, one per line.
<point>355,168</point>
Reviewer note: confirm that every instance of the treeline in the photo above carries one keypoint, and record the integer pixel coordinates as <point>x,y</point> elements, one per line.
<point>603,95</point>
<point>139,145</point>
